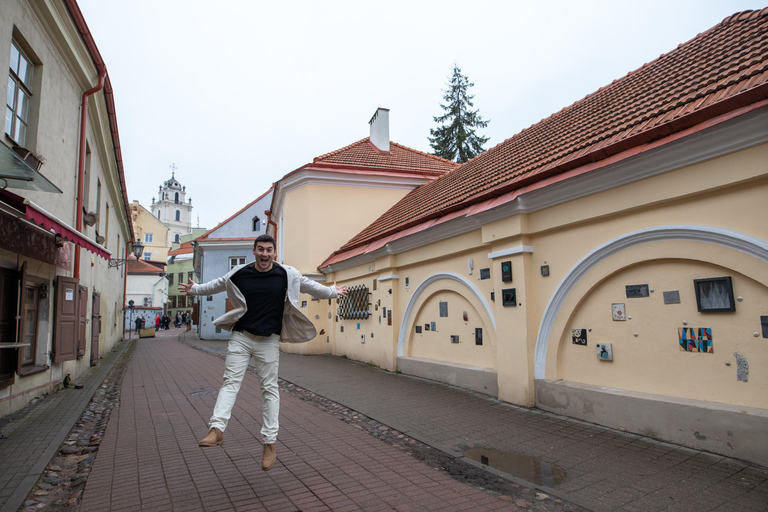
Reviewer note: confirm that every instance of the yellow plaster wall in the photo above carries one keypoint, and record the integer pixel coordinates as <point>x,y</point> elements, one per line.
<point>652,361</point>
<point>144,222</point>
<point>438,345</point>
<point>318,219</point>
<point>380,338</point>
<point>728,192</point>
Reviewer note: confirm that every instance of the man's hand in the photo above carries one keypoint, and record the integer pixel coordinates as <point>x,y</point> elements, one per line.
<point>184,288</point>
<point>341,291</point>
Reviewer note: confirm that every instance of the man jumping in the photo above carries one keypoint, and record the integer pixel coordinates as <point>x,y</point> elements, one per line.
<point>265,296</point>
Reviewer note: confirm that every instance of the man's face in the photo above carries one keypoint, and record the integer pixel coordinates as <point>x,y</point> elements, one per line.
<point>265,254</point>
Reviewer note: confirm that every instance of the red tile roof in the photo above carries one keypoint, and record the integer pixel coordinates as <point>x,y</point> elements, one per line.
<point>718,71</point>
<point>184,248</point>
<point>364,153</point>
<point>134,266</point>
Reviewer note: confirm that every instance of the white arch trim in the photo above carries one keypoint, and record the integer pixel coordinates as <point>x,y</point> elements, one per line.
<point>420,289</point>
<point>752,246</point>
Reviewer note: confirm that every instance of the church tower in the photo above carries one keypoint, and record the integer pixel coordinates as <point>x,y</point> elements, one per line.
<point>173,208</point>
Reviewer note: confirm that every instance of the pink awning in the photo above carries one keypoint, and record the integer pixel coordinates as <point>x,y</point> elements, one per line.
<point>50,222</point>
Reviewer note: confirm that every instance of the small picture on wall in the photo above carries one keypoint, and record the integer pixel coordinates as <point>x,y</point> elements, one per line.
<point>695,339</point>
<point>619,312</point>
<point>579,336</point>
<point>418,329</point>
<point>636,291</point>
<point>604,351</point>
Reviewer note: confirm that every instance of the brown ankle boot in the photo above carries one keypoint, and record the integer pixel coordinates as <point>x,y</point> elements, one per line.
<point>269,456</point>
<point>214,437</point>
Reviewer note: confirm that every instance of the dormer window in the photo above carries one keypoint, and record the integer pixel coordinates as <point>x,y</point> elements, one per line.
<point>256,224</point>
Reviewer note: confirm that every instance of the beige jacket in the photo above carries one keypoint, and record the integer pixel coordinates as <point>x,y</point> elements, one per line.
<point>297,328</point>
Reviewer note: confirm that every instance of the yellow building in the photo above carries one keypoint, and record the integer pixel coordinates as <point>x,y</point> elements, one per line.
<point>609,263</point>
<point>151,232</point>
<point>320,205</point>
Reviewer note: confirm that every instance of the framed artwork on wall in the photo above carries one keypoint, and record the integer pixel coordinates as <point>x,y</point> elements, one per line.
<point>714,294</point>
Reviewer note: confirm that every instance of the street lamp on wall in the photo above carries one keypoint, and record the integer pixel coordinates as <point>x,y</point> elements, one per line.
<point>138,248</point>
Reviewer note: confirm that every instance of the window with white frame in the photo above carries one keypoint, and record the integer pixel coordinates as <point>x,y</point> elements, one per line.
<point>256,224</point>
<point>178,215</point>
<point>19,97</point>
<point>235,261</point>
<point>148,237</point>
<point>147,255</point>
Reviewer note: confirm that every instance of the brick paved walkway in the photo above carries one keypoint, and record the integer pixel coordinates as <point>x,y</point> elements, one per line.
<point>149,458</point>
<point>36,432</point>
<point>606,469</point>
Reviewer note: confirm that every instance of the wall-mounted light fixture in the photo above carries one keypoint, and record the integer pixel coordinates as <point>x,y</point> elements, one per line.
<point>138,248</point>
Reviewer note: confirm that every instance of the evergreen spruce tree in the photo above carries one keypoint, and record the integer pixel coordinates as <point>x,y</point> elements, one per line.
<point>456,138</point>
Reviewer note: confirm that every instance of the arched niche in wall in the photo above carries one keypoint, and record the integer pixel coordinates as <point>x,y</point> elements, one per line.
<point>722,250</point>
<point>445,285</point>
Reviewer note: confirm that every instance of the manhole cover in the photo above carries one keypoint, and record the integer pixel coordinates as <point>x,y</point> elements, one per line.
<point>198,393</point>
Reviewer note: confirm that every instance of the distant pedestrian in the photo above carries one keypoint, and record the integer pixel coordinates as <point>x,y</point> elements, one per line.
<point>138,323</point>
<point>157,323</point>
<point>265,295</point>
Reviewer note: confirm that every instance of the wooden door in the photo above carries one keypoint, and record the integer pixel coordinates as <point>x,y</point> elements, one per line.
<point>65,322</point>
<point>82,309</point>
<point>8,307</point>
<point>22,317</point>
<point>95,328</point>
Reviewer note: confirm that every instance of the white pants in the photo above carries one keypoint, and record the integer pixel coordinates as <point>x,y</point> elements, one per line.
<point>265,351</point>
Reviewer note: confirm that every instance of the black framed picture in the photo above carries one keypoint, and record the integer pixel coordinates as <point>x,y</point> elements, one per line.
<point>714,294</point>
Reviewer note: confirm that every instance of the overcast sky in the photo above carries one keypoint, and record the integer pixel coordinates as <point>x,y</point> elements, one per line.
<point>237,93</point>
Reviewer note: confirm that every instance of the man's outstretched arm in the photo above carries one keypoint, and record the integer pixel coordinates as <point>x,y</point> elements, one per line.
<point>320,290</point>
<point>210,288</point>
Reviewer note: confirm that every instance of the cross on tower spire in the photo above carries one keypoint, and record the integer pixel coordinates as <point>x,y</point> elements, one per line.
<point>173,169</point>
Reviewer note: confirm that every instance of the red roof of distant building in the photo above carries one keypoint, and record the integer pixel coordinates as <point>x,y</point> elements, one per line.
<point>134,266</point>
<point>363,153</point>
<point>184,248</point>
<point>717,72</point>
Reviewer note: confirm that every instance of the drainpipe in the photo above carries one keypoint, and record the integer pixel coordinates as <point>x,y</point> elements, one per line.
<point>81,163</point>
<point>268,213</point>
<point>125,288</point>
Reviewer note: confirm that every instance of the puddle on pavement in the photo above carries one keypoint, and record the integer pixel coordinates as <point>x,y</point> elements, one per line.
<point>518,465</point>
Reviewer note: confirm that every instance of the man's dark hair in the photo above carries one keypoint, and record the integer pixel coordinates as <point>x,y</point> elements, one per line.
<point>264,239</point>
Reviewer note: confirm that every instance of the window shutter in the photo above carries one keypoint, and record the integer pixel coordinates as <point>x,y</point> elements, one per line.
<point>65,319</point>
<point>82,309</point>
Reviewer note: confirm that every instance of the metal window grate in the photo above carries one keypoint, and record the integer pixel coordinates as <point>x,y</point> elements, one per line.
<point>355,305</point>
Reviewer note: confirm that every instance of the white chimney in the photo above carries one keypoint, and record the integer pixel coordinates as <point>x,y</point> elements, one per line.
<point>380,129</point>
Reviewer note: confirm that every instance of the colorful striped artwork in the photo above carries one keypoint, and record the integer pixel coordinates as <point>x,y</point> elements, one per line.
<point>695,339</point>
